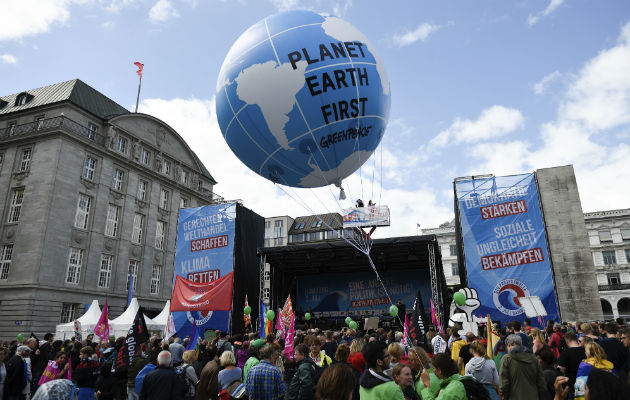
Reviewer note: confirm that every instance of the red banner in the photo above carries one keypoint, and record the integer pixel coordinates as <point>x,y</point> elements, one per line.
<point>191,296</point>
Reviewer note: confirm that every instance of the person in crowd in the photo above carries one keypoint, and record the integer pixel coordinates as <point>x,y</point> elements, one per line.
<point>527,325</point>
<point>302,383</point>
<point>545,359</point>
<point>17,374</point>
<point>516,327</point>
<point>587,330</point>
<point>374,384</point>
<point>187,372</point>
<point>570,359</point>
<point>356,357</point>
<point>555,342</point>
<point>319,357</point>
<point>483,369</point>
<point>86,373</point>
<point>230,372</point>
<point>418,361</point>
<point>253,359</point>
<point>241,355</point>
<point>520,375</point>
<point>595,359</point>
<point>396,352</point>
<point>602,385</point>
<point>456,347</point>
<point>56,369</point>
<point>264,381</point>
<point>3,370</point>
<point>615,350</point>
<point>208,386</point>
<point>137,363</point>
<point>537,339</point>
<point>163,382</point>
<point>177,351</point>
<point>330,346</point>
<point>336,383</point>
<point>106,386</point>
<point>404,378</point>
<point>451,387</point>
<point>464,353</point>
<point>341,356</point>
<point>279,359</point>
<point>224,344</point>
<point>549,329</point>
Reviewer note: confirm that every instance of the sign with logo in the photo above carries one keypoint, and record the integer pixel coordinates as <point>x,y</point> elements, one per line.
<point>366,216</point>
<point>204,254</point>
<point>505,245</point>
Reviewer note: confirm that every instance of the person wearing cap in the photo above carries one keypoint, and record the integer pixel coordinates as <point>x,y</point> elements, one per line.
<point>17,374</point>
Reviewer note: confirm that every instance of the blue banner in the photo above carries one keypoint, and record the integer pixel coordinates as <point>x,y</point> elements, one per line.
<point>505,245</point>
<point>204,253</point>
<point>360,294</point>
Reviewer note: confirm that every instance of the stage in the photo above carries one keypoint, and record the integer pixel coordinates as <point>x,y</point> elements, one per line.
<point>335,280</point>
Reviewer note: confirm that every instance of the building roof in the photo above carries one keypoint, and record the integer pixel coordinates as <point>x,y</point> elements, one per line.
<point>74,91</point>
<point>204,170</point>
<point>316,223</point>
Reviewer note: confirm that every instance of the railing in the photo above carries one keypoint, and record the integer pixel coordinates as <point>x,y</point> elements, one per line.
<point>615,286</point>
<point>50,124</point>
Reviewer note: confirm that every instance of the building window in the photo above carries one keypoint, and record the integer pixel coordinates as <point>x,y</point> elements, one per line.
<point>605,236</point>
<point>185,177</point>
<point>105,273</point>
<point>82,216</point>
<point>25,162</point>
<point>74,266</point>
<point>117,182</point>
<point>111,225</point>
<point>184,202</point>
<point>121,145</point>
<point>6,252</point>
<point>454,269</point>
<point>166,167</point>
<point>89,169</point>
<point>160,231</point>
<point>627,251</point>
<point>156,272</point>
<point>613,279</point>
<point>145,157</point>
<point>39,122</point>
<point>266,292</point>
<point>453,250</point>
<point>92,129</point>
<point>133,271</point>
<point>21,100</point>
<point>12,126</point>
<point>164,196</point>
<point>142,190</point>
<point>267,229</point>
<point>16,205</point>
<point>138,224</point>
<point>609,257</point>
<point>279,241</point>
<point>67,312</point>
<point>625,234</point>
<point>267,242</point>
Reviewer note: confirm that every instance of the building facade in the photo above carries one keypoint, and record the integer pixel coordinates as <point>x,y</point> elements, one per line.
<point>445,234</point>
<point>89,195</point>
<point>609,237</point>
<point>277,230</point>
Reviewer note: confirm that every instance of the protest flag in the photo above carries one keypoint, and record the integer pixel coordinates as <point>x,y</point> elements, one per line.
<point>193,296</point>
<point>136,335</point>
<point>102,326</point>
<point>417,330</point>
<point>262,321</point>
<point>288,339</point>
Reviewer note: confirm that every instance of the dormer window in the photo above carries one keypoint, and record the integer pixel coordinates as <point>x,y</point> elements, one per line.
<point>23,98</point>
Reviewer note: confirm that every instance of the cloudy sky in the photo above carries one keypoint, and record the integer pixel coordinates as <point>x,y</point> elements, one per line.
<point>481,87</point>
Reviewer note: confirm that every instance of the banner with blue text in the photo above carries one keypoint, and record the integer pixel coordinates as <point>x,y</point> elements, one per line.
<point>204,253</point>
<point>505,245</point>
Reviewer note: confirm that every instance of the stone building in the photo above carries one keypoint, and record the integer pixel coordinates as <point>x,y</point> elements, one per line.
<point>445,234</point>
<point>609,237</point>
<point>89,195</point>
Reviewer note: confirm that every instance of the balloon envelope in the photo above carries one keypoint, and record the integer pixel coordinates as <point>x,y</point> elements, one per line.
<point>459,298</point>
<point>303,99</point>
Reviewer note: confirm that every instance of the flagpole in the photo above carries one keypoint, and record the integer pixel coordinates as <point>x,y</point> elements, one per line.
<point>138,96</point>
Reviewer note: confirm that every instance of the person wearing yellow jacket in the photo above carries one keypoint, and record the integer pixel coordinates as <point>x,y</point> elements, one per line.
<point>595,359</point>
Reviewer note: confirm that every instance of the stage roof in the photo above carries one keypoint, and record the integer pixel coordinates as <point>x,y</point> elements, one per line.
<point>338,256</point>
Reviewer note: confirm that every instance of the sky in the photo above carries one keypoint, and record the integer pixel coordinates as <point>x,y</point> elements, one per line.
<point>484,87</point>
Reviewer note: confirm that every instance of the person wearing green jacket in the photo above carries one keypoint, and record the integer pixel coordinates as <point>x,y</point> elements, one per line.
<point>301,386</point>
<point>374,384</point>
<point>450,388</point>
<point>418,361</point>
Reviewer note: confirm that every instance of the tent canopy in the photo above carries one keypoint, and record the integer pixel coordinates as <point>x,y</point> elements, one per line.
<point>88,322</point>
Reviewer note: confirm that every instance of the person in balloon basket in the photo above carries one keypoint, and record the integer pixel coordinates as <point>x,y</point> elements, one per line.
<point>264,381</point>
<point>163,382</point>
<point>374,384</point>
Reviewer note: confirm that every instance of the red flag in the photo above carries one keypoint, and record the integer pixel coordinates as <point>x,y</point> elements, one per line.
<point>288,340</point>
<point>140,67</point>
<point>192,296</point>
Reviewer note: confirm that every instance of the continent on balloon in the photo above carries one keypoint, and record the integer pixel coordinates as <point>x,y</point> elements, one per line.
<point>303,99</point>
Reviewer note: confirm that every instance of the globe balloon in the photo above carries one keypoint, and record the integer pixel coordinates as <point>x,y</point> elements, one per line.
<point>354,325</point>
<point>393,310</point>
<point>307,316</point>
<point>247,310</point>
<point>303,99</point>
<point>271,315</point>
<point>459,298</point>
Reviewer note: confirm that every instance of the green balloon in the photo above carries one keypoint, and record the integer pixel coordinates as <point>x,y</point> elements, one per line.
<point>459,298</point>
<point>247,310</point>
<point>112,338</point>
<point>353,325</point>
<point>348,320</point>
<point>271,315</point>
<point>307,316</point>
<point>393,310</point>
<point>20,337</point>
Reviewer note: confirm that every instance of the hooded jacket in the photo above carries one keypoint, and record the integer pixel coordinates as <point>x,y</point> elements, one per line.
<point>483,370</point>
<point>377,386</point>
<point>585,368</point>
<point>521,377</point>
<point>301,386</point>
<point>450,388</point>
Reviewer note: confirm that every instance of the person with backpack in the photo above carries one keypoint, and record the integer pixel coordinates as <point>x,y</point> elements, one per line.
<point>302,384</point>
<point>520,375</point>
<point>231,376</point>
<point>187,373</point>
<point>224,344</point>
<point>557,342</point>
<point>451,387</point>
<point>483,369</point>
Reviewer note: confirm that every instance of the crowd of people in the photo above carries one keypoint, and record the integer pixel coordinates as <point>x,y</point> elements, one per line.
<point>564,361</point>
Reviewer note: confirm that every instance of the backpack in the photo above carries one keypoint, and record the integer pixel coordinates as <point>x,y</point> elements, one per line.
<point>140,377</point>
<point>474,389</point>
<point>181,371</point>
<point>236,388</point>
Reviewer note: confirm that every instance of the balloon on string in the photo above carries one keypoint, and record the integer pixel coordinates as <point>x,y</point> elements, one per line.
<point>393,310</point>
<point>247,310</point>
<point>112,338</point>
<point>348,320</point>
<point>271,315</point>
<point>354,325</point>
<point>459,298</point>
<point>307,316</point>
<point>20,337</point>
<point>273,107</point>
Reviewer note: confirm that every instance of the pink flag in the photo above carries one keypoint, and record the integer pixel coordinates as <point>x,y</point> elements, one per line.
<point>102,326</point>
<point>434,318</point>
<point>288,340</point>
<point>406,330</point>
<point>279,325</point>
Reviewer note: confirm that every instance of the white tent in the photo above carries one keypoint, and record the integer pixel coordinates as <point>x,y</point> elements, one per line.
<point>119,326</point>
<point>88,322</point>
<point>159,322</point>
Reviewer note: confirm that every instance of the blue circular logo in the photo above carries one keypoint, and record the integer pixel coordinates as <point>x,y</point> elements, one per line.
<point>505,296</point>
<point>303,99</point>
